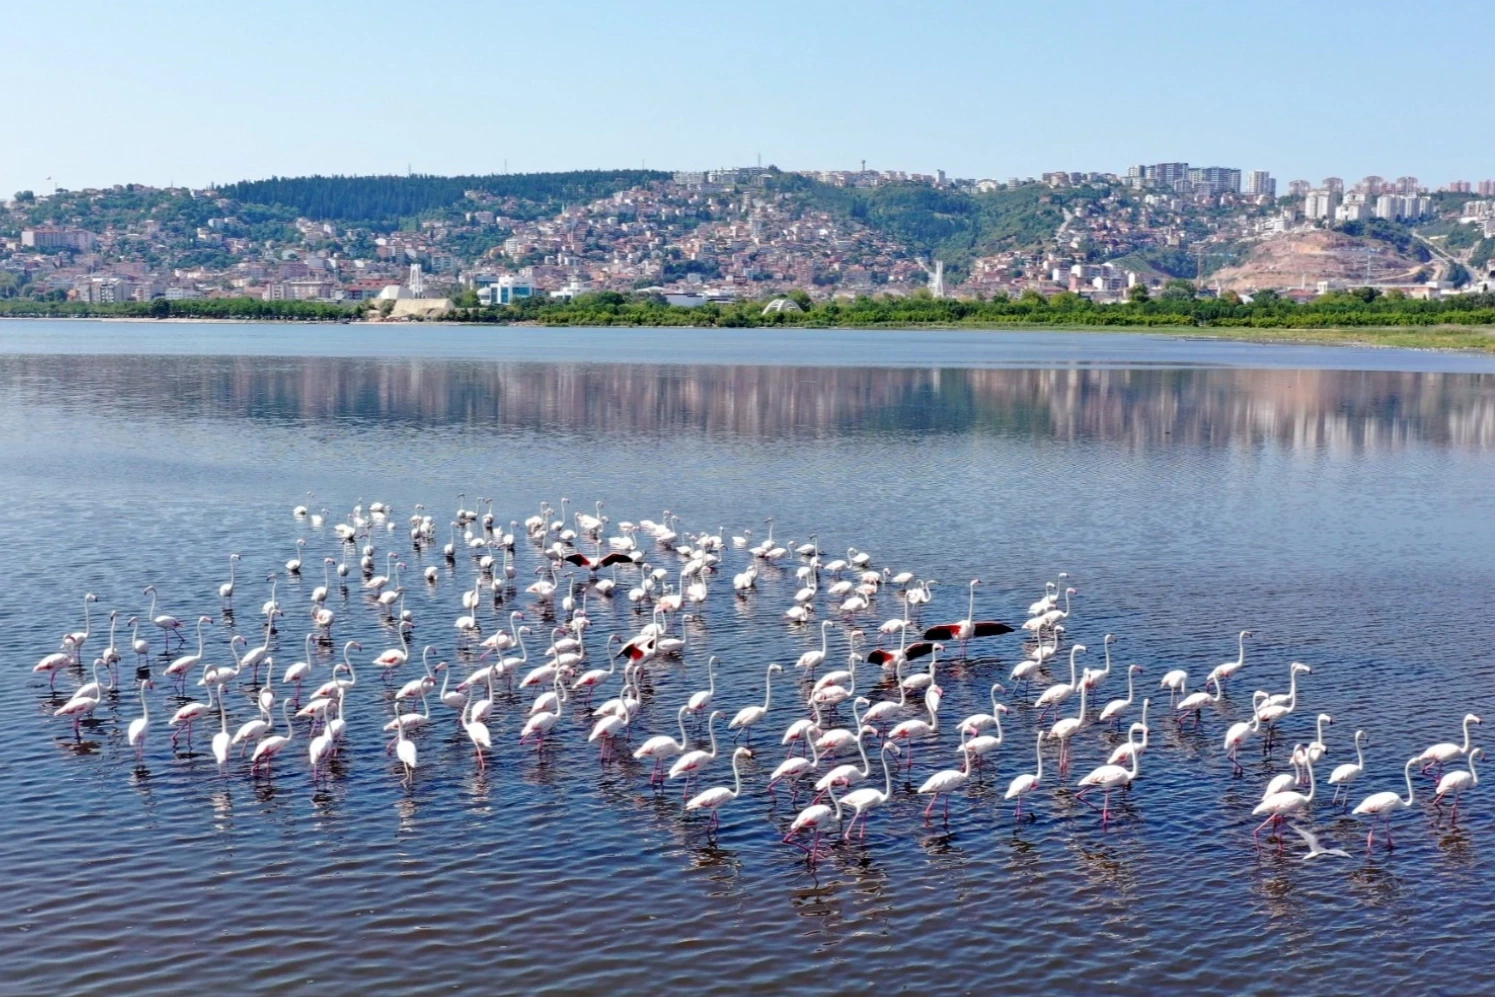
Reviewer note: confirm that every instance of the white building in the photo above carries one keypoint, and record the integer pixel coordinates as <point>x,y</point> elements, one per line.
<point>1320,204</point>
<point>1259,182</point>
<point>505,291</point>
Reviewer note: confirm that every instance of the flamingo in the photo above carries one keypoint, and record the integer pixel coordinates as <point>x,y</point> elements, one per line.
<point>750,715</point>
<point>1176,681</point>
<point>82,703</point>
<point>181,666</point>
<point>1456,783</point>
<point>110,654</point>
<point>1316,748</point>
<point>137,731</point>
<point>186,717</point>
<point>968,628</point>
<point>221,739</point>
<point>794,768</point>
<point>1279,806</point>
<point>169,625</point>
<point>811,660</point>
<point>846,775</point>
<point>662,747</point>
<point>1093,676</point>
<point>320,748</point>
<point>981,745</point>
<point>607,729</point>
<point>692,761</point>
<point>1195,702</point>
<point>1381,806</point>
<point>1065,728</point>
<point>269,747</point>
<point>1043,605</point>
<point>1024,670</point>
<point>1024,784</point>
<point>541,723</point>
<point>862,801</point>
<point>226,590</point>
<point>394,657</point>
<point>1347,773</point>
<point>138,644</point>
<point>1223,671</point>
<point>1057,693</point>
<point>319,594</point>
<point>977,722</point>
<point>1274,708</point>
<point>297,672</point>
<point>477,732</point>
<point>717,797</point>
<point>1440,754</point>
<point>51,665</point>
<point>1240,732</point>
<point>946,782</point>
<point>1123,753</point>
<point>1109,778</point>
<point>811,818</point>
<point>404,747</point>
<point>908,730</point>
<point>886,708</point>
<point>700,701</point>
<point>1116,707</point>
<point>78,638</point>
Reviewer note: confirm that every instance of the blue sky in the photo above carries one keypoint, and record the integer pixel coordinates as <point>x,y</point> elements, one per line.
<point>101,93</point>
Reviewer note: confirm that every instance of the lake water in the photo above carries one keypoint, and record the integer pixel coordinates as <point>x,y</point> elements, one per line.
<point>1337,502</point>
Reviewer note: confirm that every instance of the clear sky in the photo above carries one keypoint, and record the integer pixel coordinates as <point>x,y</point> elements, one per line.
<point>108,92</point>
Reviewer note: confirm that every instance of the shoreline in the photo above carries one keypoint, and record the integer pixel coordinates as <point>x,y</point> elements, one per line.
<point>1444,338</point>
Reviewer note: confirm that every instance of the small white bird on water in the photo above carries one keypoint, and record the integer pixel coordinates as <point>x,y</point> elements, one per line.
<point>1315,848</point>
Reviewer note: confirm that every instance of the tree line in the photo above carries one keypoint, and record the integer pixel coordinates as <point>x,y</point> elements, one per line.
<point>383,200</point>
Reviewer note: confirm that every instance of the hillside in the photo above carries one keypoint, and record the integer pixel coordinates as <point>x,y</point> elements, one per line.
<point>1302,259</point>
<point>953,225</point>
<point>382,201</point>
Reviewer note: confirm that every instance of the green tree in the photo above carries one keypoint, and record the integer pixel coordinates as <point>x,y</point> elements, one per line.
<point>1137,294</point>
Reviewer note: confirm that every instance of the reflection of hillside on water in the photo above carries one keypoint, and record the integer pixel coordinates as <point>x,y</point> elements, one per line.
<point>1144,405</point>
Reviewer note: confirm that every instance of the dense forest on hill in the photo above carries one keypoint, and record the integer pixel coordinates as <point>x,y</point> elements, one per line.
<point>381,201</point>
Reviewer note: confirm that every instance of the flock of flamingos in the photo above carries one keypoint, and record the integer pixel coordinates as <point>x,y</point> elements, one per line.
<point>839,720</point>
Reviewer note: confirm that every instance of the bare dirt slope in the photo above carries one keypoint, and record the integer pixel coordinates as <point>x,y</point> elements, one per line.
<point>1302,259</point>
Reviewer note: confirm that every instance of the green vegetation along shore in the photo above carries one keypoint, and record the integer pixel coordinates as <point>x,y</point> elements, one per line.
<point>1364,316</point>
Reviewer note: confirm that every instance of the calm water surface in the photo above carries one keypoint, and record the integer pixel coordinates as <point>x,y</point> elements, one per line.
<point>1337,502</point>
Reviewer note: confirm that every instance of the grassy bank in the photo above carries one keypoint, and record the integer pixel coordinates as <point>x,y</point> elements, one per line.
<point>1461,323</point>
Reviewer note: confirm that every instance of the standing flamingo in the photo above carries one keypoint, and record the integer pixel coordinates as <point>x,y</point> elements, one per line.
<point>1381,806</point>
<point>1024,784</point>
<point>716,797</point>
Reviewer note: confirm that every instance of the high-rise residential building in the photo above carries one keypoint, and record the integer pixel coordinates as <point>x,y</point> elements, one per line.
<point>1299,188</point>
<point>1389,206</point>
<point>1371,186</point>
<point>1321,204</point>
<point>1487,188</point>
<point>1458,187</point>
<point>1333,184</point>
<point>1215,179</point>
<point>1259,182</point>
<point>1406,186</point>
